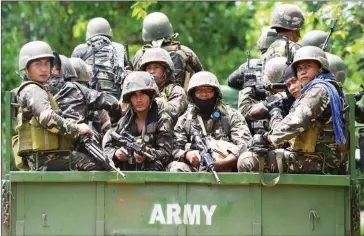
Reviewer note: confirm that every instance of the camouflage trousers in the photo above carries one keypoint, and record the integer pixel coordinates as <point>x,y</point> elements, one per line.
<point>145,166</point>
<point>176,166</point>
<point>62,161</point>
<point>289,162</point>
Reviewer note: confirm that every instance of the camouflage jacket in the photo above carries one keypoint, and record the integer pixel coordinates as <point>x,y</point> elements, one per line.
<point>279,49</point>
<point>54,84</point>
<point>157,138</point>
<point>34,102</point>
<point>237,131</point>
<point>250,106</point>
<point>76,102</point>
<point>173,100</point>
<point>192,63</point>
<point>308,122</point>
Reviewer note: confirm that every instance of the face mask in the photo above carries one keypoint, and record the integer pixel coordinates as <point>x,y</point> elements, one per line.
<point>205,106</point>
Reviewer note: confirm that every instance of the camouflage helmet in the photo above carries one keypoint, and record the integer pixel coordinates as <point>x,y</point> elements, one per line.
<point>156,25</point>
<point>274,70</point>
<point>98,26</point>
<point>337,67</point>
<point>34,50</point>
<point>83,71</point>
<point>315,38</point>
<point>157,55</point>
<point>67,70</point>
<point>138,81</point>
<point>266,38</point>
<point>311,53</point>
<point>204,78</point>
<point>287,16</point>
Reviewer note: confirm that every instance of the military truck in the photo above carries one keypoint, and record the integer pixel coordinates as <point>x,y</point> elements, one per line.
<point>159,203</point>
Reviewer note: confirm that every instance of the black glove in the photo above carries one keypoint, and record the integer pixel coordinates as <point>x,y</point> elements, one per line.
<point>260,92</point>
<point>260,143</point>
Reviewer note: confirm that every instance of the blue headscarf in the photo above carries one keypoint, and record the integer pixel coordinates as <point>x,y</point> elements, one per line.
<point>335,104</point>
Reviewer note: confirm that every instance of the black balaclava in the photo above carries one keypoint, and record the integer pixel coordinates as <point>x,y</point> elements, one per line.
<point>205,106</point>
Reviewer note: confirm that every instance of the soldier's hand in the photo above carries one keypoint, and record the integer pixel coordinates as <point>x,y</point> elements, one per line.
<point>260,143</point>
<point>192,158</point>
<point>84,129</point>
<point>121,154</point>
<point>138,158</point>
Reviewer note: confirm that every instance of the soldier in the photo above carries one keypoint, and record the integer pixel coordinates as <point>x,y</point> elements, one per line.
<point>316,38</point>
<point>146,122</point>
<point>287,20</point>
<point>61,72</point>
<point>314,125</point>
<point>41,131</point>
<point>226,129</point>
<point>337,67</point>
<point>294,86</point>
<point>173,99</point>
<point>77,102</point>
<point>158,32</point>
<point>267,37</point>
<point>245,72</point>
<point>254,100</point>
<point>107,58</point>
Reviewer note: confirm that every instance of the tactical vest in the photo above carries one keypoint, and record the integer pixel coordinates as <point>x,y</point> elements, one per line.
<point>32,136</point>
<point>182,70</point>
<point>319,134</point>
<point>104,55</point>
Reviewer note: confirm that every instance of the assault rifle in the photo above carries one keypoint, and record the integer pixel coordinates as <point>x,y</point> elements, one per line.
<point>97,154</point>
<point>285,103</point>
<point>324,46</point>
<point>130,143</point>
<point>206,155</point>
<point>130,65</point>
<point>359,94</point>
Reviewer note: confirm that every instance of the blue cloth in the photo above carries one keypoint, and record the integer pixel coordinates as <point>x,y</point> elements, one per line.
<point>335,104</point>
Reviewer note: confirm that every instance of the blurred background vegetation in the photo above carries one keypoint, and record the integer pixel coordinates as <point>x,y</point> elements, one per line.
<point>220,33</point>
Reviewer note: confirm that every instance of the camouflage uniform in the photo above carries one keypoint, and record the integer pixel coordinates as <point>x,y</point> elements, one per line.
<point>38,120</point>
<point>309,129</point>
<point>287,17</point>
<point>157,135</point>
<point>172,98</point>
<point>253,106</point>
<point>105,56</point>
<point>66,73</point>
<point>158,31</point>
<point>338,68</point>
<point>229,127</point>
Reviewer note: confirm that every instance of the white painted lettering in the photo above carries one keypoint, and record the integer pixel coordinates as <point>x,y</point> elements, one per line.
<point>190,216</point>
<point>208,213</point>
<point>157,215</point>
<point>173,212</point>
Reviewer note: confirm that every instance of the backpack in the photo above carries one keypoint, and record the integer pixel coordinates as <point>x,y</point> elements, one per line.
<point>107,59</point>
